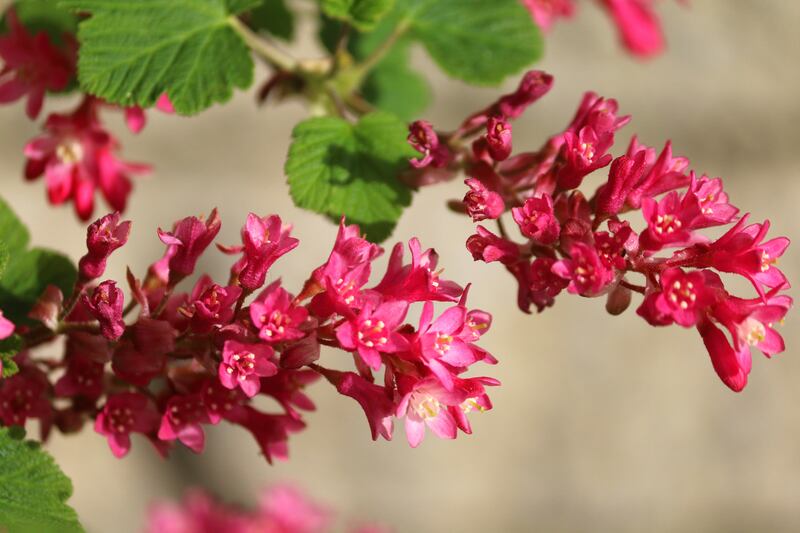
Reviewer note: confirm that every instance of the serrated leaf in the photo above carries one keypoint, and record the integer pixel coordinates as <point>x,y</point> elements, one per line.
<point>273,17</point>
<point>13,232</point>
<point>33,490</point>
<point>9,347</point>
<point>133,51</point>
<point>338,168</point>
<point>477,41</point>
<point>26,277</point>
<point>393,86</point>
<point>4,257</point>
<point>363,14</point>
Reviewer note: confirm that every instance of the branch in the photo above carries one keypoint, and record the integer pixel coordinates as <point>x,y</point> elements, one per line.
<point>265,49</point>
<point>384,48</point>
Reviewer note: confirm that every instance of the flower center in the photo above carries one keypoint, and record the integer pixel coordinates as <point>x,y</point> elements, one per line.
<point>243,363</point>
<point>70,152</point>
<point>121,419</point>
<point>682,295</point>
<point>767,261</point>
<point>442,344</point>
<point>372,333</point>
<point>754,331</point>
<point>667,224</point>
<point>586,150</point>
<point>427,406</point>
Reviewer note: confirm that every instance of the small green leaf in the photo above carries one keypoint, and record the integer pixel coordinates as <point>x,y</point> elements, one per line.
<point>393,86</point>
<point>33,490</point>
<point>338,168</point>
<point>13,232</point>
<point>363,14</point>
<point>273,17</point>
<point>27,276</point>
<point>477,41</point>
<point>9,347</point>
<point>133,51</point>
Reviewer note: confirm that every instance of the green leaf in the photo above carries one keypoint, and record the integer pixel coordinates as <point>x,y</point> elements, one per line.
<point>4,258</point>
<point>33,490</point>
<point>338,168</point>
<point>393,86</point>
<point>9,347</point>
<point>477,41</point>
<point>13,232</point>
<point>46,16</point>
<point>27,276</point>
<point>363,14</point>
<point>273,17</point>
<point>132,51</point>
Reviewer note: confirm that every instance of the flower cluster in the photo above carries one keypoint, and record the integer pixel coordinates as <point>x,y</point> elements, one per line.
<point>281,509</point>
<point>590,247</point>
<point>76,154</point>
<point>192,359</point>
<point>637,23</point>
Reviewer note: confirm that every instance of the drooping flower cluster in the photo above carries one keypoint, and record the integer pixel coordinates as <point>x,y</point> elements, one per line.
<point>76,154</point>
<point>591,247</point>
<point>281,509</point>
<point>636,21</point>
<point>166,364</point>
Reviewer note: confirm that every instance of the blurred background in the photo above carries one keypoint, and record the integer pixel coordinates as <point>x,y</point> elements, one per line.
<point>602,423</point>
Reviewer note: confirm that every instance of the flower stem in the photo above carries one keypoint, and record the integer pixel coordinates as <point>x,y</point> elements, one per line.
<point>384,48</point>
<point>265,49</point>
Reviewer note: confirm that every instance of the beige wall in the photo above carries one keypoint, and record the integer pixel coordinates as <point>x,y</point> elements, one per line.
<point>602,424</point>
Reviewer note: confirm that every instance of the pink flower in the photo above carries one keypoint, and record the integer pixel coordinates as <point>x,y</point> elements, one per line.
<point>211,305</point>
<point>669,222</point>
<point>243,364</point>
<point>684,298</point>
<point>32,66</point>
<point>740,251</point>
<point>103,237</point>
<point>283,509</point>
<point>583,153</point>
<point>181,420</point>
<point>534,85</point>
<point>488,247</point>
<point>84,377</point>
<point>136,119</point>
<point>537,220</point>
<point>751,322</point>
<point>374,400</point>
<point>423,139</point>
<point>270,431</point>
<point>444,343</point>
<point>420,281</point>
<point>186,243</point>
<point>276,317</point>
<point>585,270</point>
<point>135,366</point>
<point>198,513</point>
<point>123,414</point>
<point>77,156</point>
<point>638,26</point>
<point>105,305</point>
<point>732,366</point>
<point>6,327</point>
<point>544,284</point>
<point>498,138</point>
<point>546,12</point>
<point>427,404</point>
<point>710,200</point>
<point>373,331</point>
<point>265,241</point>
<point>482,203</point>
<point>24,396</point>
